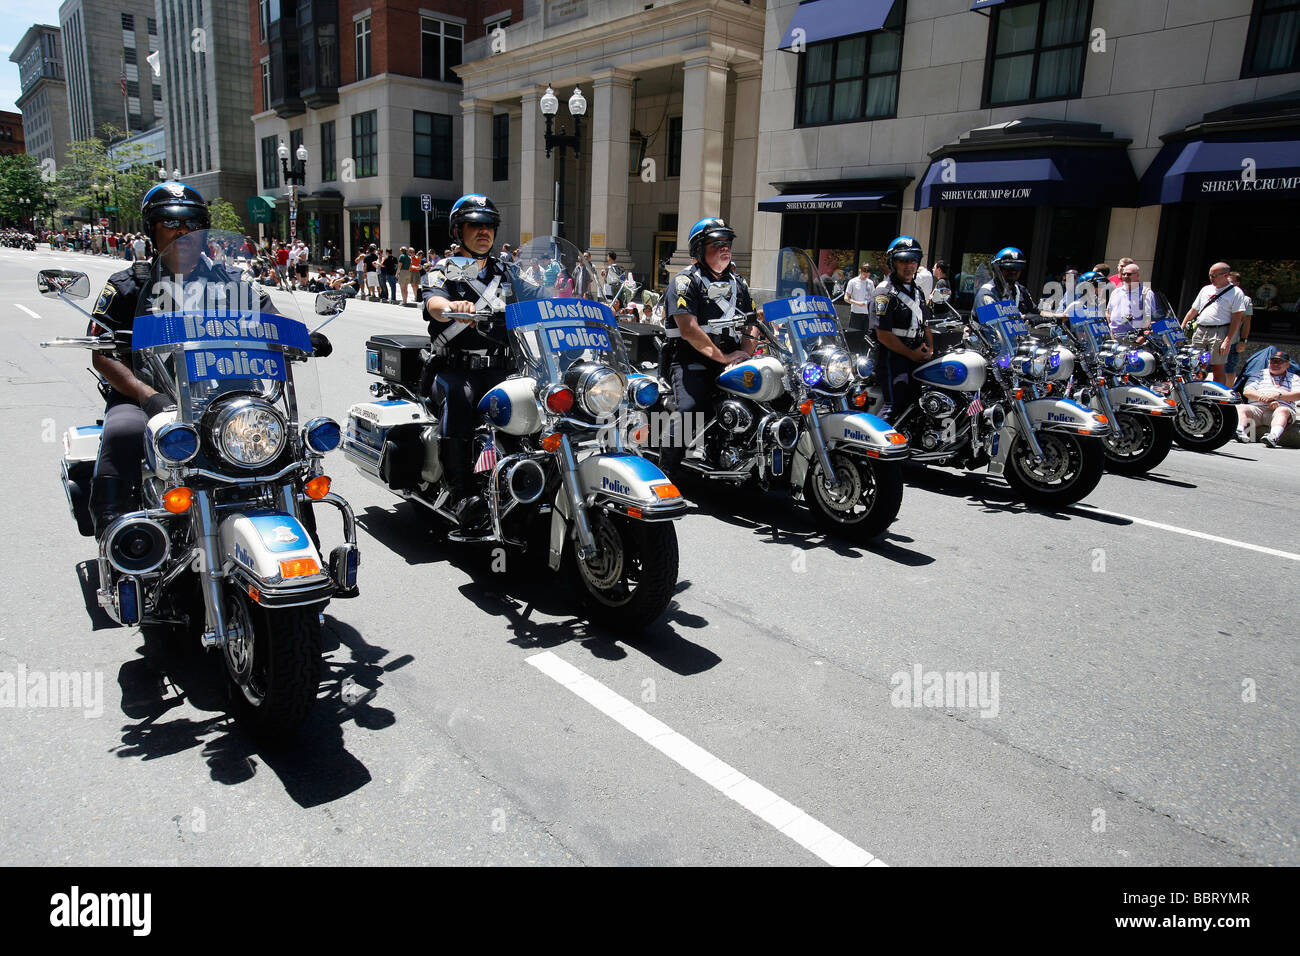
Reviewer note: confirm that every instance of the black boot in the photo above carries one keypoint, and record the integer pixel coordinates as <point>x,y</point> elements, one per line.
<point>470,510</point>
<point>110,498</point>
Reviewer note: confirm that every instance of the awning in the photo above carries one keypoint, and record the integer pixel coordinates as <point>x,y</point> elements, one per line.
<point>983,4</point>
<point>1244,167</point>
<point>411,208</point>
<point>832,202</point>
<point>828,19</point>
<point>261,209</point>
<point>1044,176</point>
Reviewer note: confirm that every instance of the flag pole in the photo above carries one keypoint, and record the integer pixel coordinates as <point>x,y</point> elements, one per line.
<point>126,109</point>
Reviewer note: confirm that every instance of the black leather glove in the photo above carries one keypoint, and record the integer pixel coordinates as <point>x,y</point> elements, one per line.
<point>321,345</point>
<point>155,404</point>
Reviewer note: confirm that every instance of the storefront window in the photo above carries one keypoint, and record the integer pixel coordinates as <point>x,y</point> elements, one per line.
<point>365,228</point>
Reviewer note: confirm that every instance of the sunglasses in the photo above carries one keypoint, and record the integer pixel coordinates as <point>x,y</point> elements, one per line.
<point>720,244</point>
<point>189,225</point>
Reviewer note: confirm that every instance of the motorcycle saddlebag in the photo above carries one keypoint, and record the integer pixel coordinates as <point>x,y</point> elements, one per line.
<point>642,341</point>
<point>397,358</point>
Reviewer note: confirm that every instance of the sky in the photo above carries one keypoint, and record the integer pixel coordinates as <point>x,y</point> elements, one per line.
<point>19,16</point>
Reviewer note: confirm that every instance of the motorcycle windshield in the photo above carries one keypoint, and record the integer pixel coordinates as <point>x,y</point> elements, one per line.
<point>207,331</point>
<point>803,317</point>
<point>1086,316</point>
<point>550,328</point>
<point>1002,327</point>
<point>1166,327</point>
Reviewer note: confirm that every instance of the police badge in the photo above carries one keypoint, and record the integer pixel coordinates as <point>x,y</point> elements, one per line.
<point>683,284</point>
<point>880,304</point>
<point>105,299</point>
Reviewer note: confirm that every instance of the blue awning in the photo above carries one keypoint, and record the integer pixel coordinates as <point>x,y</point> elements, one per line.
<point>1202,170</point>
<point>1041,176</point>
<point>888,200</point>
<point>984,4</point>
<point>828,19</point>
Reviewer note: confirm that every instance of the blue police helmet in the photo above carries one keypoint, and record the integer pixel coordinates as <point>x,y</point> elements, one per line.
<point>707,230</point>
<point>472,207</point>
<point>905,248</point>
<point>173,200</point>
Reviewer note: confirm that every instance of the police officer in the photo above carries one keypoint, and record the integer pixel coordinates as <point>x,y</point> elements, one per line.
<point>468,359</point>
<point>900,317</point>
<point>1008,266</point>
<point>170,211</point>
<point>704,298</point>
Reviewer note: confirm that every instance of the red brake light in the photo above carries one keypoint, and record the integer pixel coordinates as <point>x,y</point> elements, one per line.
<point>559,400</point>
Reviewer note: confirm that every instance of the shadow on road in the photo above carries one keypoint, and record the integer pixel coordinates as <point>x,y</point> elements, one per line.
<point>316,769</point>
<point>88,581</point>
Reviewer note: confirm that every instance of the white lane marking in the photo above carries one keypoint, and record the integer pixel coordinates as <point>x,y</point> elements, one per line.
<point>1194,534</point>
<point>810,834</point>
<point>27,310</point>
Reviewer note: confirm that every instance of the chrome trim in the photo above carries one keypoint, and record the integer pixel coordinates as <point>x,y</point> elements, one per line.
<point>229,410</point>
<point>257,480</point>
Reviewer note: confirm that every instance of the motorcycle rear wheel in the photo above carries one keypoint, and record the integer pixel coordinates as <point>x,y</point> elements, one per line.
<point>628,583</point>
<point>273,661</point>
<point>1148,442</point>
<point>1208,428</point>
<point>865,503</point>
<point>1070,470</point>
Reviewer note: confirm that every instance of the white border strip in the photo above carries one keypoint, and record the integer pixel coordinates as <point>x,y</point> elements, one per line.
<point>812,835</point>
<point>1194,534</point>
<point>27,310</point>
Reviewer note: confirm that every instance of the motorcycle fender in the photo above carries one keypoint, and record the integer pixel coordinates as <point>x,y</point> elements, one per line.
<point>1212,392</point>
<point>1064,415</point>
<point>632,485</point>
<point>1138,398</point>
<point>259,543</point>
<point>1002,443</point>
<point>561,511</point>
<point>862,431</point>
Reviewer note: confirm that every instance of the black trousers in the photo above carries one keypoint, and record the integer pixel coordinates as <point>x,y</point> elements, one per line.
<point>695,389</point>
<point>456,394</point>
<point>121,446</point>
<point>896,382</point>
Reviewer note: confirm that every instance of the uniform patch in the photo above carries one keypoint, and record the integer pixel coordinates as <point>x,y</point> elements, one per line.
<point>683,284</point>
<point>436,280</point>
<point>681,302</point>
<point>105,300</point>
<point>880,304</point>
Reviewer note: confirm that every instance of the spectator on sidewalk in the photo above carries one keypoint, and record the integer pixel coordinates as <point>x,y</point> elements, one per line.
<point>389,267</point>
<point>1243,336</point>
<point>1218,312</point>
<point>404,273</point>
<point>1271,393</point>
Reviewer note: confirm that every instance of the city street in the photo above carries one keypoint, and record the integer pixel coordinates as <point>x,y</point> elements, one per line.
<point>1136,658</point>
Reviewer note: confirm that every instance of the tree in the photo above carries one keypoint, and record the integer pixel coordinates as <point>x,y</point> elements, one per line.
<point>20,178</point>
<point>93,180</point>
<point>225,217</point>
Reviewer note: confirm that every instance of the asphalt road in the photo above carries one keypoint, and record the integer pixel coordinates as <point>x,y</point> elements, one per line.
<point>1137,653</point>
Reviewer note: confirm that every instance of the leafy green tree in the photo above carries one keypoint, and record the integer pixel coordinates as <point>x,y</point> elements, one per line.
<point>20,178</point>
<point>225,217</point>
<point>92,180</point>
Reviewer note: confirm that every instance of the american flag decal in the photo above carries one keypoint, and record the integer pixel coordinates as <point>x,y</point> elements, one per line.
<point>487,459</point>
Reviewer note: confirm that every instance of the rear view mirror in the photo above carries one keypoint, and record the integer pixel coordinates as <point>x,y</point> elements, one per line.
<point>330,303</point>
<point>940,295</point>
<point>52,283</point>
<point>459,269</point>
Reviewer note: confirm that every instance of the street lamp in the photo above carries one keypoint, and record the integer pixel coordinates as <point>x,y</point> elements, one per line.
<point>50,205</point>
<point>162,174</point>
<point>550,106</point>
<point>295,177</point>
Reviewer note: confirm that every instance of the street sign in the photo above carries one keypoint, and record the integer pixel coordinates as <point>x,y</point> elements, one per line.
<point>104,223</point>
<point>426,202</point>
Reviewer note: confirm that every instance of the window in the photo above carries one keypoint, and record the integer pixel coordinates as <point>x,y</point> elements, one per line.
<point>365,144</point>
<point>129,54</point>
<point>263,18</point>
<point>433,147</point>
<point>270,160</point>
<point>1037,51</point>
<point>1273,45</point>
<point>675,146</point>
<point>153,26</point>
<point>363,49</point>
<point>128,22</point>
<point>440,45</point>
<point>854,78</point>
<point>266,84</point>
<point>295,140</point>
<point>491,24</point>
<point>133,88</point>
<point>157,93</point>
<point>500,147</point>
<point>327,158</point>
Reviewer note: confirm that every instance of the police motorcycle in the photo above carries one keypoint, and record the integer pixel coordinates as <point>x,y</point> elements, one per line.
<point>984,401</point>
<point>1177,370</point>
<point>225,538</point>
<point>790,417</point>
<point>553,460</point>
<point>1142,429</point>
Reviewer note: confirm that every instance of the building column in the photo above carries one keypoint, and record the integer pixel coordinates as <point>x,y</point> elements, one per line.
<point>704,96</point>
<point>536,177</point>
<point>611,122</point>
<point>476,127</point>
<point>744,161</point>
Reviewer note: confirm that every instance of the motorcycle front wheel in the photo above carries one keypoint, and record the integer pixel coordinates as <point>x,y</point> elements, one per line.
<point>865,500</point>
<point>1142,442</point>
<point>272,659</point>
<point>1207,427</point>
<point>628,583</point>
<point>1067,473</point>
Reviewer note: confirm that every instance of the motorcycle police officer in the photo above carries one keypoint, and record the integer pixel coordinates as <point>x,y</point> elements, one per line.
<point>900,317</point>
<point>1005,286</point>
<point>703,300</point>
<point>468,359</point>
<point>170,211</point>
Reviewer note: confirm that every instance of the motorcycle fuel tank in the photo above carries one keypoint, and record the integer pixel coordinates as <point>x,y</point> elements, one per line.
<point>1141,363</point>
<point>961,371</point>
<point>761,379</point>
<point>512,406</point>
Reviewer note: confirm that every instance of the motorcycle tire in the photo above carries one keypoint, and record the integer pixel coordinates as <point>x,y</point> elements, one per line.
<point>1213,427</point>
<point>1072,468</point>
<point>273,662</point>
<point>874,486</point>
<point>630,581</point>
<point>1153,439</point>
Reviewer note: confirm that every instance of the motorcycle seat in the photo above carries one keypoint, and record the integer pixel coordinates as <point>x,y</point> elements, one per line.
<point>402,341</point>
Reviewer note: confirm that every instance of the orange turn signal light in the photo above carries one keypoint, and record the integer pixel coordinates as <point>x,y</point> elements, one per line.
<point>634,512</point>
<point>299,567</point>
<point>806,406</point>
<point>178,500</point>
<point>666,491</point>
<point>641,435</point>
<point>318,488</point>
<point>896,438</point>
<point>860,399</point>
<point>1103,419</point>
<point>552,441</point>
<point>1019,394</point>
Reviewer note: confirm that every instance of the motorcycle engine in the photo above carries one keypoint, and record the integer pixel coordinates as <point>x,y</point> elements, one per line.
<point>938,405</point>
<point>735,417</point>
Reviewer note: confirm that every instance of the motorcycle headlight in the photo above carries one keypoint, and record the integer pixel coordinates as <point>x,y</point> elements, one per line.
<point>839,369</point>
<point>321,435</point>
<point>865,366</point>
<point>249,433</point>
<point>600,391</point>
<point>812,374</point>
<point>176,443</point>
<point>1039,365</point>
<point>644,391</point>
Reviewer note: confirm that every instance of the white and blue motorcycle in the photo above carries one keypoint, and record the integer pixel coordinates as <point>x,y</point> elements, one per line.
<point>224,539</point>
